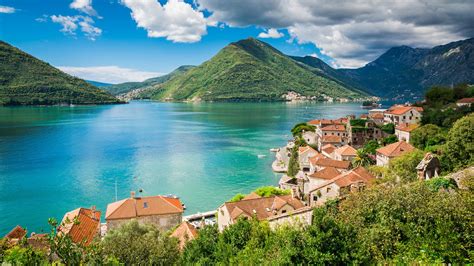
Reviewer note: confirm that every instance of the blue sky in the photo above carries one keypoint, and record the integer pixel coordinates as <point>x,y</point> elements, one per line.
<point>136,39</point>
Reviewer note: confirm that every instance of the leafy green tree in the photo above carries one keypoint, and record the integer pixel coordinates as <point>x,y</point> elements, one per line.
<point>371,147</point>
<point>427,136</point>
<point>362,159</point>
<point>293,164</point>
<point>389,140</point>
<point>403,168</point>
<point>138,244</point>
<point>298,129</point>
<point>438,183</point>
<point>439,96</point>
<point>202,250</point>
<point>388,128</point>
<point>271,191</point>
<point>18,255</point>
<point>459,148</point>
<point>237,197</point>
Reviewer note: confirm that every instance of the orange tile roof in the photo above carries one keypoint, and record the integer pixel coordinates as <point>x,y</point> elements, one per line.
<point>326,162</point>
<point>400,109</point>
<point>314,122</point>
<point>303,149</point>
<point>184,233</point>
<point>17,232</point>
<point>364,116</point>
<point>328,148</point>
<point>407,127</point>
<point>81,224</point>
<point>356,175</point>
<point>332,138</point>
<point>315,158</point>
<point>346,150</point>
<point>143,206</point>
<point>466,100</point>
<point>334,128</point>
<point>376,116</point>
<point>396,149</point>
<point>252,195</point>
<point>326,173</point>
<point>262,208</point>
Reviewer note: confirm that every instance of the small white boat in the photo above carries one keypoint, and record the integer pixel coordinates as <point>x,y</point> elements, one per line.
<point>261,156</point>
<point>275,150</point>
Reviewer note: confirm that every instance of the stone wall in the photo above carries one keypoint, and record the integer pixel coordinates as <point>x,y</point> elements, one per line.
<point>163,222</point>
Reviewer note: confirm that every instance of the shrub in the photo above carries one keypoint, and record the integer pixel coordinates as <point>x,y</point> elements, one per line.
<point>459,149</point>
<point>427,136</point>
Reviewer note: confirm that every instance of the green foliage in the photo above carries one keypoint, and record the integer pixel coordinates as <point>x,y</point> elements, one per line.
<point>438,183</point>
<point>237,197</point>
<point>293,164</point>
<point>459,149</point>
<point>388,128</point>
<point>427,136</point>
<point>138,244</point>
<point>389,140</point>
<point>444,116</point>
<point>18,255</point>
<point>362,159</point>
<point>298,129</point>
<point>358,122</point>
<point>403,168</point>
<point>250,70</point>
<point>269,191</point>
<point>371,147</point>
<point>439,96</point>
<point>25,80</point>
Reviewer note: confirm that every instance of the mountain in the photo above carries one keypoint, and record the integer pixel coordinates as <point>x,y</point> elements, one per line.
<point>98,83</point>
<point>129,86</point>
<point>405,71</point>
<point>250,70</point>
<point>26,80</point>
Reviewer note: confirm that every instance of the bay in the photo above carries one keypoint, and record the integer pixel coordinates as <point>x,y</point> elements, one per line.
<point>55,159</point>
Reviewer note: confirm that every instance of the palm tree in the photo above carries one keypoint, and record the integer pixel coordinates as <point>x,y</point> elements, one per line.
<point>362,159</point>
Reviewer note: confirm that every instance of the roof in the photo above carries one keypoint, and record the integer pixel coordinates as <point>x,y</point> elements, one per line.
<point>326,162</point>
<point>316,157</point>
<point>334,128</point>
<point>396,149</point>
<point>252,195</point>
<point>407,127</point>
<point>332,138</point>
<point>314,122</point>
<point>17,232</point>
<point>262,208</point>
<point>326,173</point>
<point>81,225</point>
<point>346,150</point>
<point>303,149</point>
<point>143,206</point>
<point>400,109</point>
<point>466,100</point>
<point>328,148</point>
<point>356,175</point>
<point>376,116</point>
<point>185,232</point>
<point>364,116</point>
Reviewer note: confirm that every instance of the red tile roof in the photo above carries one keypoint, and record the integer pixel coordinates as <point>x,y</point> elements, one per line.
<point>328,148</point>
<point>376,116</point>
<point>326,173</point>
<point>303,149</point>
<point>357,175</point>
<point>184,233</point>
<point>407,127</point>
<point>334,128</point>
<point>396,149</point>
<point>346,150</point>
<point>326,162</point>
<point>252,195</point>
<point>466,100</point>
<point>400,109</point>
<point>81,224</point>
<point>332,139</point>
<point>17,232</point>
<point>143,206</point>
<point>314,122</point>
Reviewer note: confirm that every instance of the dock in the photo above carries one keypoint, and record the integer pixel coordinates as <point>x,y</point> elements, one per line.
<point>200,215</point>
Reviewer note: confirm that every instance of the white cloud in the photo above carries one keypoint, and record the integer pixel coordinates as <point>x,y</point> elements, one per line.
<point>271,33</point>
<point>84,6</point>
<point>109,74</point>
<point>353,32</point>
<point>176,20</point>
<point>7,9</point>
<point>70,24</point>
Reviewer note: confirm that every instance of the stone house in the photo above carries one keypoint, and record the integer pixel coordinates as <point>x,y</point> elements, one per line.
<point>318,178</point>
<point>403,131</point>
<point>163,212</point>
<point>304,153</point>
<point>345,153</point>
<point>336,141</point>
<point>385,154</point>
<point>338,187</point>
<point>399,114</point>
<point>82,225</point>
<point>429,167</point>
<point>328,150</point>
<point>358,135</point>
<point>321,163</point>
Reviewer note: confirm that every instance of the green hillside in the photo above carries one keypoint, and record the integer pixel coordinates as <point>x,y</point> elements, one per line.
<point>25,80</point>
<point>250,70</point>
<point>129,86</point>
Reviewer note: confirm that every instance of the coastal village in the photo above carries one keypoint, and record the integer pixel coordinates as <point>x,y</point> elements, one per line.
<point>325,151</point>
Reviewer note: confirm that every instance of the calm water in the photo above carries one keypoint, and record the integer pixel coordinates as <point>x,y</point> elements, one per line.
<point>55,159</point>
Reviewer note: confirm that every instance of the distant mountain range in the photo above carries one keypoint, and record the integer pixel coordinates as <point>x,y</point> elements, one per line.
<point>251,69</point>
<point>25,80</point>
<point>98,83</point>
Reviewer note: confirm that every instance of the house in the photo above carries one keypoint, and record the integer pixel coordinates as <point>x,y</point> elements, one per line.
<point>385,154</point>
<point>404,130</point>
<point>361,134</point>
<point>465,102</point>
<point>318,178</point>
<point>163,212</point>
<point>328,150</point>
<point>15,235</point>
<point>304,153</point>
<point>429,167</point>
<point>338,187</point>
<point>399,114</point>
<point>345,153</point>
<point>320,163</point>
<point>310,137</point>
<point>336,141</point>
<point>333,130</point>
<point>262,208</point>
<point>184,233</point>
<point>82,225</point>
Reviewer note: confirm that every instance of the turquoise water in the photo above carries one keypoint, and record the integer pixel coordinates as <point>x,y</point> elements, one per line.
<point>55,159</point>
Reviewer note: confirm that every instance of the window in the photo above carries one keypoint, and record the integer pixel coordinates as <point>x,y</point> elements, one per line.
<point>328,189</point>
<point>283,211</point>
<point>315,198</point>
<point>145,204</point>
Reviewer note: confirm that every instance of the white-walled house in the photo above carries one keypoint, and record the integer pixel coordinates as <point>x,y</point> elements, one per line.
<point>345,153</point>
<point>385,154</point>
<point>399,114</point>
<point>304,153</point>
<point>403,131</point>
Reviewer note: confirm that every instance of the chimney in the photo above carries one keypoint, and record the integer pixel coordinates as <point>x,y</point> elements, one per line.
<point>132,194</point>
<point>93,208</point>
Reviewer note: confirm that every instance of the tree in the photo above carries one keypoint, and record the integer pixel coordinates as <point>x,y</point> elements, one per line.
<point>388,128</point>
<point>362,159</point>
<point>138,244</point>
<point>269,191</point>
<point>237,197</point>
<point>293,164</point>
<point>427,136</point>
<point>371,147</point>
<point>389,140</point>
<point>459,148</point>
<point>18,255</point>
<point>439,95</point>
<point>298,129</point>
<point>202,250</point>
<point>403,168</point>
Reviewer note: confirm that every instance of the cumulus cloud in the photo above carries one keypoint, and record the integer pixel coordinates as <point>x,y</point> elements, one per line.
<point>84,6</point>
<point>271,33</point>
<point>109,74</point>
<point>70,24</point>
<point>176,20</point>
<point>7,9</point>
<point>353,32</point>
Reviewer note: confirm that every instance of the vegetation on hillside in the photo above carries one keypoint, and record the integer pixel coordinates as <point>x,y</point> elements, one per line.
<point>25,80</point>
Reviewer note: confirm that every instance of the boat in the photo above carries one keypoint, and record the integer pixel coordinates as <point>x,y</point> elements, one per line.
<point>275,150</point>
<point>261,156</point>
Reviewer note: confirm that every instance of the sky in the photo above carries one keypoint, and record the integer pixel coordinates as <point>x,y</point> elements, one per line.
<point>116,41</point>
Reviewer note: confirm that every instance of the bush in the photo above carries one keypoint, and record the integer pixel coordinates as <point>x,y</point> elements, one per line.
<point>459,148</point>
<point>237,197</point>
<point>371,147</point>
<point>403,168</point>
<point>427,136</point>
<point>271,191</point>
<point>389,140</point>
<point>18,255</point>
<point>388,128</point>
<point>298,129</point>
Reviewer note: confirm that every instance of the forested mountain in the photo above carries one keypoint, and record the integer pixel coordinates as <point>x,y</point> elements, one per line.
<point>27,80</point>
